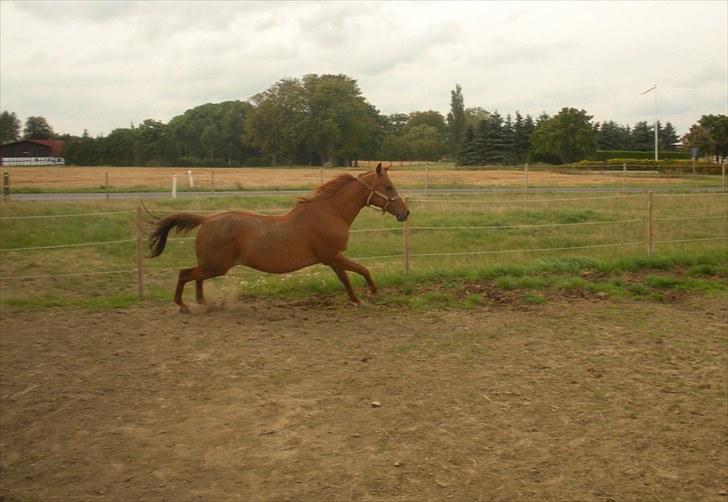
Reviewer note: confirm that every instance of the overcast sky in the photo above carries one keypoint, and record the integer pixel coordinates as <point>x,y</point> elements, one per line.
<point>101,65</point>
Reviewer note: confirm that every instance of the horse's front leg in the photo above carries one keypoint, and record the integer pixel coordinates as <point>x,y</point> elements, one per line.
<point>360,269</point>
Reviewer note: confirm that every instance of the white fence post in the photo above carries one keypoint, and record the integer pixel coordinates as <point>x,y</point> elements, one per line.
<point>174,186</point>
<point>192,182</point>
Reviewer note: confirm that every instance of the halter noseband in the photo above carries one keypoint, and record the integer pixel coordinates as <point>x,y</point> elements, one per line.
<point>372,191</point>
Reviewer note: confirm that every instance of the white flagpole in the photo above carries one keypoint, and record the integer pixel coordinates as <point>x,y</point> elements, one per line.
<point>654,88</point>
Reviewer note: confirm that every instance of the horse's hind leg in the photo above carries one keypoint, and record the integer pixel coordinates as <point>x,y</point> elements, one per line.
<point>200,297</point>
<point>360,269</point>
<point>341,274</point>
<point>186,275</point>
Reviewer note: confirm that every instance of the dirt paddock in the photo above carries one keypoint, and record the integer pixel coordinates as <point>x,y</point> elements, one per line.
<point>314,400</point>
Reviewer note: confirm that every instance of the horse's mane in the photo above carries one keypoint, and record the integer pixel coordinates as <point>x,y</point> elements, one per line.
<point>327,189</point>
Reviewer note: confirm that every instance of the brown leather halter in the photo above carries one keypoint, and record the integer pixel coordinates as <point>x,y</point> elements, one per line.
<point>372,191</point>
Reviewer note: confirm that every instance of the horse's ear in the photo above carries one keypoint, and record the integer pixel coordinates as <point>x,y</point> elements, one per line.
<point>379,169</point>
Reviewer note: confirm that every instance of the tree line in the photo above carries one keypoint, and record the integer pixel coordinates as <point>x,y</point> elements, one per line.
<point>325,120</point>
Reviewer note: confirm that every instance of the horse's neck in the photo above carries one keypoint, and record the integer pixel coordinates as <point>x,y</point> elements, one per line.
<point>347,201</point>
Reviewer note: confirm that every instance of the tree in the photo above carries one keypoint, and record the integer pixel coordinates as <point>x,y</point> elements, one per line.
<point>429,118</point>
<point>456,120</point>
<point>480,142</point>
<point>338,121</point>
<point>567,137</point>
<point>473,116</point>
<point>274,125</point>
<point>668,137</point>
<point>613,136</point>
<point>521,135</point>
<point>37,128</point>
<point>9,127</point>
<point>395,123</point>
<point>424,142</point>
<point>509,141</point>
<point>468,155</point>
<point>643,136</point>
<point>496,152</point>
<point>699,137</point>
<point>717,126</point>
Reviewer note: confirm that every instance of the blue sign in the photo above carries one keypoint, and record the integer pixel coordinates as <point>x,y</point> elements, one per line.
<point>694,153</point>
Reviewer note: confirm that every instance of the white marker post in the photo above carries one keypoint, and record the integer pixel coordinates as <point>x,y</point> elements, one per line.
<point>174,186</point>
<point>192,182</point>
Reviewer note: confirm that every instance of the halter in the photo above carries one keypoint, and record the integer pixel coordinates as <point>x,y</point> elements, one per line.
<point>372,191</point>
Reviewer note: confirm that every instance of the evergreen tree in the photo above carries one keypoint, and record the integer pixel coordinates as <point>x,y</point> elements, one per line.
<point>613,136</point>
<point>496,140</point>
<point>643,136</point>
<point>520,140</point>
<point>481,141</point>
<point>467,156</point>
<point>528,128</point>
<point>668,137</point>
<point>509,141</point>
<point>456,120</point>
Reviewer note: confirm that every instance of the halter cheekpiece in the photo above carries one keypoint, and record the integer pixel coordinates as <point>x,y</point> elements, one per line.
<point>372,191</point>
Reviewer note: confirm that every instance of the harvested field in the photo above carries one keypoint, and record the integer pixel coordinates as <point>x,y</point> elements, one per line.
<point>578,399</point>
<point>127,178</point>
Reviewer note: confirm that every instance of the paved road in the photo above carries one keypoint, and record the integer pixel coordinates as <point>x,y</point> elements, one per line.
<point>432,191</point>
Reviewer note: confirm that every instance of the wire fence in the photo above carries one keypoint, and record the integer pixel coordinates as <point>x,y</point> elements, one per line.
<point>425,177</point>
<point>644,219</point>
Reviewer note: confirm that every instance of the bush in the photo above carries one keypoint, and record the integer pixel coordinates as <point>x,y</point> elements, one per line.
<point>639,154</point>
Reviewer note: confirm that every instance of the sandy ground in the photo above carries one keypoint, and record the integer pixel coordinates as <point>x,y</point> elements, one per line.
<point>577,399</point>
<point>70,178</point>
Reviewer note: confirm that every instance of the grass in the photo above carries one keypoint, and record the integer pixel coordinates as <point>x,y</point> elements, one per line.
<point>434,280</point>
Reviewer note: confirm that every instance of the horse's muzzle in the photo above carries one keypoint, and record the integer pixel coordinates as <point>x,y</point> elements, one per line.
<point>403,216</point>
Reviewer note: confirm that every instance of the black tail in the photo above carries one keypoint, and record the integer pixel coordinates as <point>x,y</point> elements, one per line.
<point>184,222</point>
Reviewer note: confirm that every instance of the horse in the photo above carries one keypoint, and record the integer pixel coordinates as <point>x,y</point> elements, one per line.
<point>315,230</point>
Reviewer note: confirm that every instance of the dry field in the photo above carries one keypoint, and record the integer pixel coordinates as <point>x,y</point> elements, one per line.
<point>124,178</point>
<point>271,400</point>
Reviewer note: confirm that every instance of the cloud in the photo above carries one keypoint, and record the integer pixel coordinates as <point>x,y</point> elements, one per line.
<point>101,65</point>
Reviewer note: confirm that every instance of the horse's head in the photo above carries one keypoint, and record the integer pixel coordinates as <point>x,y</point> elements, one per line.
<point>382,193</point>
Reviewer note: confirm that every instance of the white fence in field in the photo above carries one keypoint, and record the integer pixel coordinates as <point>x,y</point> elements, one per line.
<point>647,218</point>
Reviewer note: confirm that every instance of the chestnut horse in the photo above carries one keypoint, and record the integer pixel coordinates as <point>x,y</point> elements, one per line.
<point>315,231</point>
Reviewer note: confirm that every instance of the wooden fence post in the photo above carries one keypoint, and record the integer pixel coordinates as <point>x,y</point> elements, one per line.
<point>624,177</point>
<point>140,259</point>
<point>6,186</point>
<point>406,244</point>
<point>722,171</point>
<point>525,177</point>
<point>212,181</point>
<point>106,184</point>
<point>650,224</point>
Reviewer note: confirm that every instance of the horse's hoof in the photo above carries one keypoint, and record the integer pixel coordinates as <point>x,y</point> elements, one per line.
<point>185,310</point>
<point>356,303</point>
